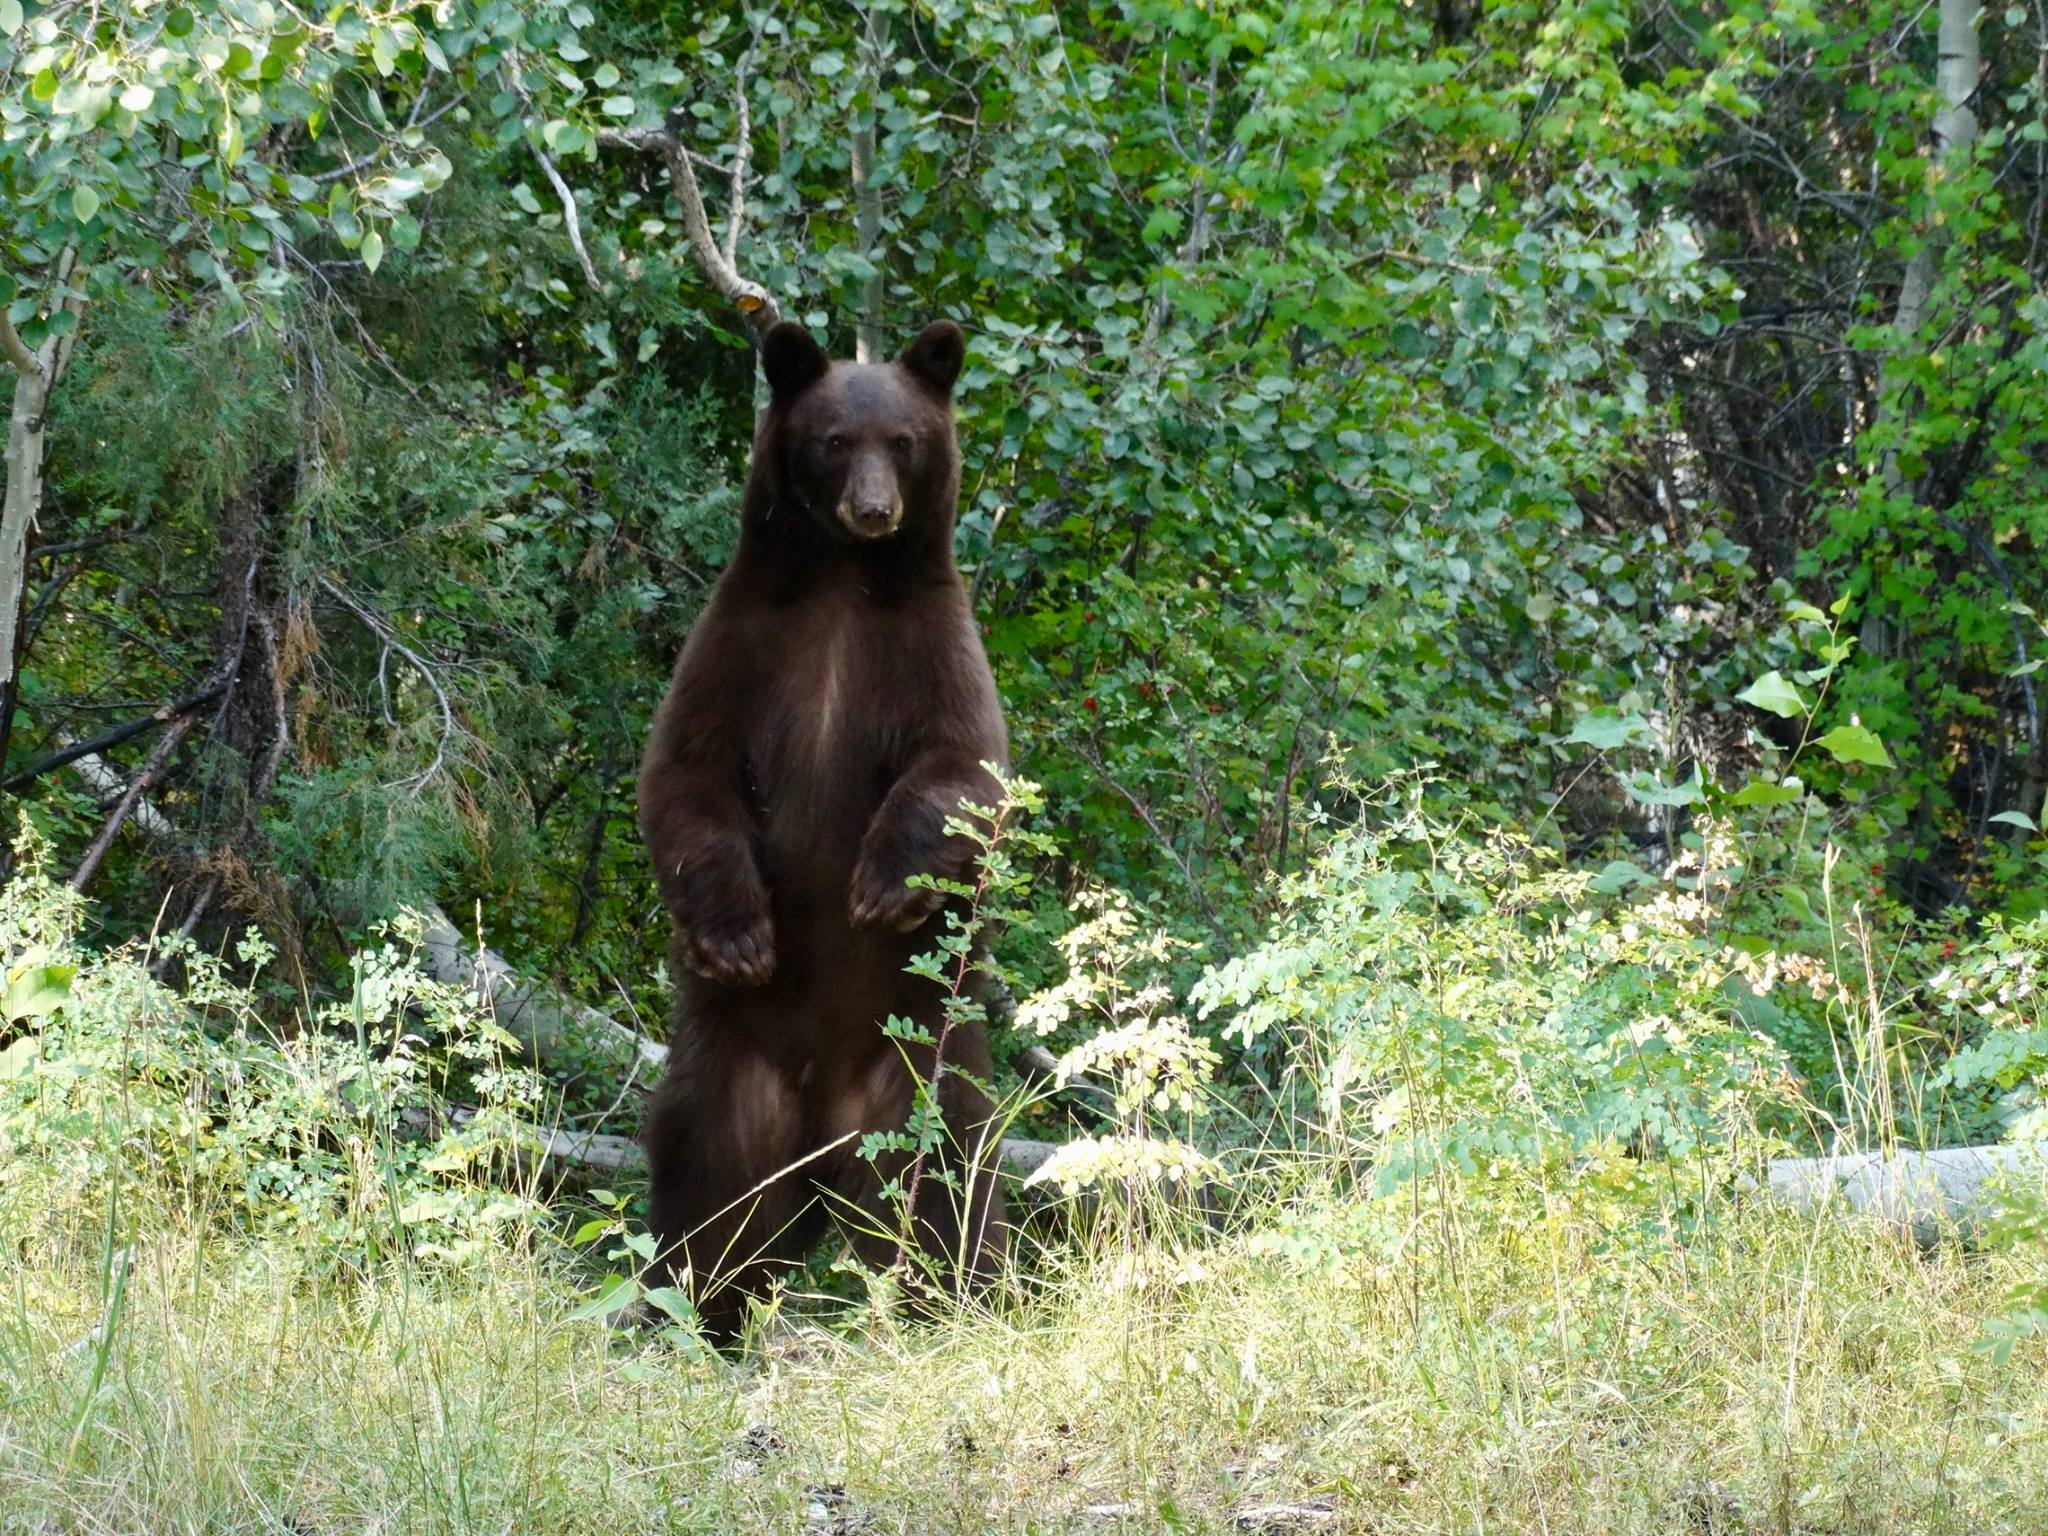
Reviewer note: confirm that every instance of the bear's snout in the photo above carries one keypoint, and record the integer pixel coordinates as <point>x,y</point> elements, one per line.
<point>871,519</point>
<point>871,506</point>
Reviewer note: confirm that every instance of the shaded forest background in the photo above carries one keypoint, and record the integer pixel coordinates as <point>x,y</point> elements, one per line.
<point>1507,392</point>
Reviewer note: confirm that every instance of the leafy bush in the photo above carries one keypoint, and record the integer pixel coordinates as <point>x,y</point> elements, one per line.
<point>1448,998</point>
<point>330,1129</point>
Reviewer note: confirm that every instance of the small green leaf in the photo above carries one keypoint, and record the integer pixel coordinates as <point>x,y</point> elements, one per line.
<point>1618,875</point>
<point>19,1059</point>
<point>2017,819</point>
<point>1773,693</point>
<point>85,202</point>
<point>137,97</point>
<point>1646,789</point>
<point>1855,744</point>
<point>1764,792</point>
<point>405,232</point>
<point>1604,729</point>
<point>44,86</point>
<point>618,106</point>
<point>372,250</point>
<point>10,17</point>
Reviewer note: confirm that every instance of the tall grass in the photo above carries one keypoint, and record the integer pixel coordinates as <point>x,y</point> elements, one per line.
<point>1460,1283</point>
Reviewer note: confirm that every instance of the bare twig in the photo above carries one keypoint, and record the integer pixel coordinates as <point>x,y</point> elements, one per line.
<point>381,628</point>
<point>572,222</point>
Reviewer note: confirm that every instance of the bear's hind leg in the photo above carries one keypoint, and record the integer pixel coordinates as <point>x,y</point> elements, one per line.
<point>729,1211</point>
<point>959,1226</point>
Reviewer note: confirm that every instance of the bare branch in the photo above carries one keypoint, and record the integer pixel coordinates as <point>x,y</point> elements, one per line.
<point>570,221</point>
<point>867,197</point>
<point>131,798</point>
<point>742,152</point>
<point>113,736</point>
<point>16,349</point>
<point>756,305</point>
<point>381,628</point>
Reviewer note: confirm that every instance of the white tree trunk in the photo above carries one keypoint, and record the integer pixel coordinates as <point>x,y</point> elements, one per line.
<point>1957,64</point>
<point>35,375</point>
<point>24,497</point>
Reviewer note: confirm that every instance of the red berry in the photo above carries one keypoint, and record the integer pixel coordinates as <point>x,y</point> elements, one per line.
<point>1089,703</point>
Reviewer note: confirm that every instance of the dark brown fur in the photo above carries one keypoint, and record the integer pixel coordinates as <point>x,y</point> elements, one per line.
<point>831,708</point>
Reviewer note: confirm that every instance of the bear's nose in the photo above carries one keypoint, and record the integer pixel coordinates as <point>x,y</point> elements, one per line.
<point>872,518</point>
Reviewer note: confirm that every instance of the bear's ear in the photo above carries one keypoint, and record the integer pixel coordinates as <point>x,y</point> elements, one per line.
<point>935,357</point>
<point>791,361</point>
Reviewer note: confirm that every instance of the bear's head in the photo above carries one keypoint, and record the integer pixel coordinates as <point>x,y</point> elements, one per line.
<point>866,449</point>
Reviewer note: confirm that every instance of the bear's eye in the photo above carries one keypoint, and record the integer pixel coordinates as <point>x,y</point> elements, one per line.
<point>836,443</point>
<point>901,442</point>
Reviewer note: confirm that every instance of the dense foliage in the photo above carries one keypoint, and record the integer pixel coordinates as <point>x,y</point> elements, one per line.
<point>1625,413</point>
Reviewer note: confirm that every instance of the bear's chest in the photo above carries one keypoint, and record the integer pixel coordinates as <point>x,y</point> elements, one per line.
<point>836,695</point>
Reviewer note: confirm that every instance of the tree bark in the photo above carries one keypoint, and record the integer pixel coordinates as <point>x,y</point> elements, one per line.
<point>867,196</point>
<point>35,375</point>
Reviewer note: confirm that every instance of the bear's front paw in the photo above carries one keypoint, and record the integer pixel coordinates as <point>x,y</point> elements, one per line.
<point>877,902</point>
<point>737,955</point>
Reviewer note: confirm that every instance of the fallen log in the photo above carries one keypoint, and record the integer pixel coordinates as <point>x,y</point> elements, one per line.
<point>540,1018</point>
<point>1927,1193</point>
<point>610,1154</point>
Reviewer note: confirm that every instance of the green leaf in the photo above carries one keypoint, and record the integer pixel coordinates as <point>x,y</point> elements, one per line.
<point>179,22</point>
<point>1604,729</point>
<point>1618,875</point>
<point>10,17</point>
<point>372,250</point>
<point>36,990</point>
<point>44,86</point>
<point>405,232</point>
<point>1773,693</point>
<point>1764,792</point>
<point>614,1296</point>
<point>1855,744</point>
<point>138,97</point>
<point>2017,819</point>
<point>85,202</point>
<point>1646,789</point>
<point>618,106</point>
<point>19,1059</point>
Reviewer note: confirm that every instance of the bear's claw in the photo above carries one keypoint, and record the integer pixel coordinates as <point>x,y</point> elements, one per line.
<point>735,957</point>
<point>875,903</point>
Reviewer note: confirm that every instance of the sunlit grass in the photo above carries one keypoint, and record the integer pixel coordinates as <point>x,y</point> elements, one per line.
<point>1784,1374</point>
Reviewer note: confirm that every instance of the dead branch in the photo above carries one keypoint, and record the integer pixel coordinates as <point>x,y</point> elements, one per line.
<point>113,736</point>
<point>388,637</point>
<point>130,799</point>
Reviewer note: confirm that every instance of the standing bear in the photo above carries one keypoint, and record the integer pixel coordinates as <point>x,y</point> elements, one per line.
<point>831,710</point>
